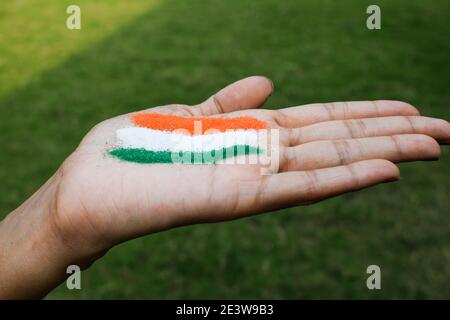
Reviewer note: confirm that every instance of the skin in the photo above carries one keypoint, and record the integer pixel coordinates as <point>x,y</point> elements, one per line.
<point>95,201</point>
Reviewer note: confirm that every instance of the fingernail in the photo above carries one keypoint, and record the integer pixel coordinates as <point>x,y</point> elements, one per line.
<point>393,179</point>
<point>271,83</point>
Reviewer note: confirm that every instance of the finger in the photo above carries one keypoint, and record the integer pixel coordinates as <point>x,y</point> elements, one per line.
<point>300,187</point>
<point>323,154</point>
<point>371,127</point>
<point>295,117</point>
<point>248,93</point>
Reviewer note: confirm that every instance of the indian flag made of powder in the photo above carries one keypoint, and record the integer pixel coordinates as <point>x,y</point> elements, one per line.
<point>159,138</point>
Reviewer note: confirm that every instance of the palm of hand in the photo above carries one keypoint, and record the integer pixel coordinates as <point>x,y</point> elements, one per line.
<point>325,150</point>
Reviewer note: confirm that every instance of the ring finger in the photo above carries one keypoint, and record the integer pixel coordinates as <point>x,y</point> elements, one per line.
<point>324,154</point>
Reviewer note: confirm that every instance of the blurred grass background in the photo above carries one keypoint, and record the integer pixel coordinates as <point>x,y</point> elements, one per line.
<point>55,84</point>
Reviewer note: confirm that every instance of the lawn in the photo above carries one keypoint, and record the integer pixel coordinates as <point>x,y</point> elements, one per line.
<point>55,84</point>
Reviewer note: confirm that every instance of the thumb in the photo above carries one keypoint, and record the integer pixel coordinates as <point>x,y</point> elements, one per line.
<point>248,93</point>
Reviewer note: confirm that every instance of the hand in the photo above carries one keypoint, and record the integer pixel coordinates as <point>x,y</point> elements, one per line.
<point>95,201</point>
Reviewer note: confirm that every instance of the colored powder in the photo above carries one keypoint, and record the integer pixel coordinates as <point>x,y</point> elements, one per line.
<point>165,122</point>
<point>207,157</point>
<point>155,140</point>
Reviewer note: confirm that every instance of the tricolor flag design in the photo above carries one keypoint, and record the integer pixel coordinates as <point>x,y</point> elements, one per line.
<point>159,138</point>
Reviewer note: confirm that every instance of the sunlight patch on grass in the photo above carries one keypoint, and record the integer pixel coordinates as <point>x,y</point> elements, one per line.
<point>34,37</point>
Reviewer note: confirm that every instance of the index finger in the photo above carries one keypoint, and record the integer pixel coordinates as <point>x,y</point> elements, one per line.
<point>294,117</point>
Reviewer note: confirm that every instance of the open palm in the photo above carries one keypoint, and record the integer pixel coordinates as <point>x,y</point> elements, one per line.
<point>325,150</point>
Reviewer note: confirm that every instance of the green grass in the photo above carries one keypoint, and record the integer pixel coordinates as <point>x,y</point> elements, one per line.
<point>182,51</point>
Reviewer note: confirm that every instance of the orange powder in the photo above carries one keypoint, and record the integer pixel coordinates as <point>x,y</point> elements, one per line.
<point>165,122</point>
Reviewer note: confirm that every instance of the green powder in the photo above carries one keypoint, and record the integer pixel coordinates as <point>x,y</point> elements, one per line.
<point>207,157</point>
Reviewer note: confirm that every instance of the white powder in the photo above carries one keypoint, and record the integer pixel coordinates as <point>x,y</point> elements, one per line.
<point>155,140</point>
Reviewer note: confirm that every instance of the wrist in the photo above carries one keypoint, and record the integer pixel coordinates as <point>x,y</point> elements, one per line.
<point>35,251</point>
